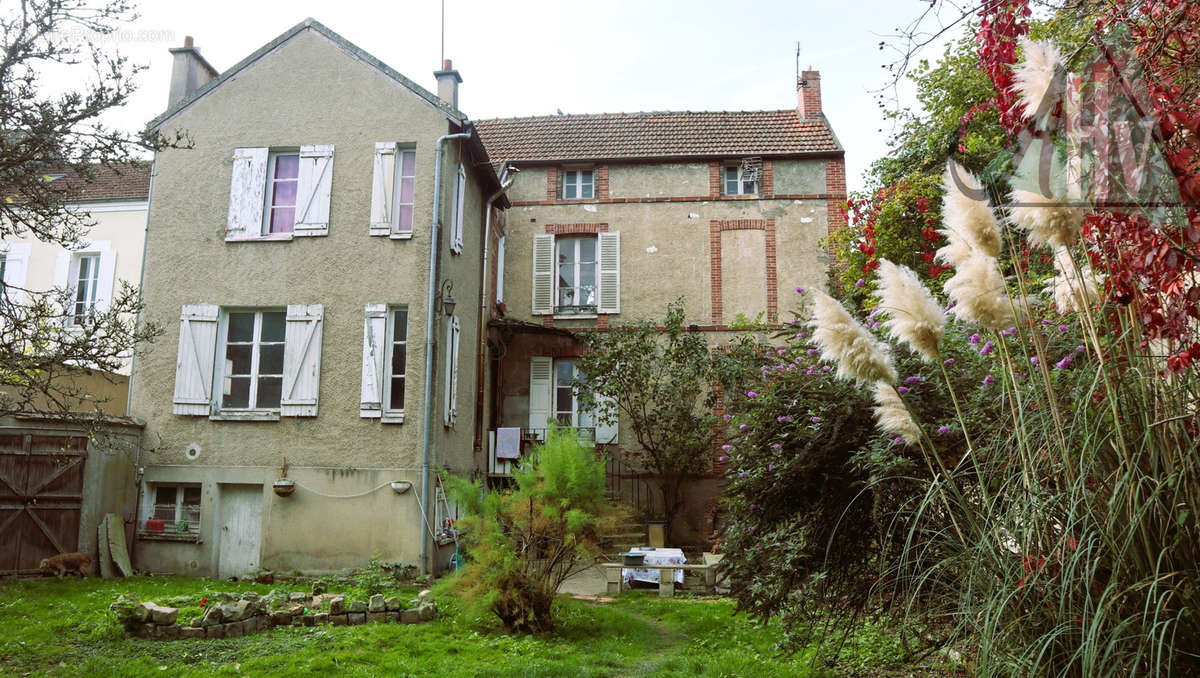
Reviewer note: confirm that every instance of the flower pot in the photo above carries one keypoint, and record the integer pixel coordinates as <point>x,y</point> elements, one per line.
<point>633,559</point>
<point>154,525</point>
<point>284,487</point>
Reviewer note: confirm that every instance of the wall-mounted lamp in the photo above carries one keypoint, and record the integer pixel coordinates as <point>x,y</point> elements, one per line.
<point>447,300</point>
<point>401,486</point>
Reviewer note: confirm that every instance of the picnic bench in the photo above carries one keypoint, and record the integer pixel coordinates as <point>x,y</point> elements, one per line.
<point>666,581</point>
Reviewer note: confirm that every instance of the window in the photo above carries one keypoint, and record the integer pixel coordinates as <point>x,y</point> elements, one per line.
<point>456,224</point>
<point>3,276</point>
<point>575,287</point>
<point>87,275</point>
<point>578,184</point>
<point>254,345</point>
<point>397,359</point>
<point>13,260</point>
<point>451,358</point>
<point>392,194</point>
<point>385,363</point>
<point>279,194</point>
<point>500,270</point>
<point>85,278</point>
<point>554,385</point>
<point>283,178</point>
<point>176,510</point>
<point>741,179</point>
<point>568,410</point>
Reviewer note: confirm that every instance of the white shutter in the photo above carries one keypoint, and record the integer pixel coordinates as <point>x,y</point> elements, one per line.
<point>246,193</point>
<point>194,364</point>
<point>301,360</point>
<point>312,191</point>
<point>460,198</point>
<point>108,274</point>
<point>543,274</point>
<point>374,361</point>
<point>541,385</point>
<point>62,270</point>
<point>382,187</point>
<point>452,334</point>
<point>606,433</point>
<point>500,270</point>
<point>16,266</point>
<point>609,276</point>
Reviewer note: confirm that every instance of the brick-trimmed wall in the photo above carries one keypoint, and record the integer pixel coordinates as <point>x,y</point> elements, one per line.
<point>601,184</point>
<point>835,188</point>
<point>566,229</point>
<point>715,227</point>
<point>551,184</point>
<point>768,180</point>
<point>601,178</point>
<point>714,180</point>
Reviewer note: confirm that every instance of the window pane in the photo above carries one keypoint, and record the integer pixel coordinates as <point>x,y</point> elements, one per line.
<point>287,166</point>
<point>566,250</point>
<point>270,361</point>
<point>569,190</point>
<point>241,327</point>
<point>191,496</point>
<point>238,357</point>
<point>408,163</point>
<point>587,250</point>
<point>406,190</point>
<point>399,359</point>
<point>164,494</point>
<point>564,372</point>
<point>562,400</point>
<point>406,218</point>
<point>396,401</point>
<point>748,188</point>
<point>269,389</point>
<point>284,194</point>
<point>399,325</point>
<point>239,393</point>
<point>273,324</point>
<point>283,219</point>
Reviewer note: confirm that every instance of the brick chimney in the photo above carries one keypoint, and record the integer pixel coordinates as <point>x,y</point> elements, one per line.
<point>189,73</point>
<point>448,80</point>
<point>808,94</point>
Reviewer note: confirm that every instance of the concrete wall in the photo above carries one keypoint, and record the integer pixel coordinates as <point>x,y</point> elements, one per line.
<point>306,91</point>
<point>658,180</point>
<point>799,177</point>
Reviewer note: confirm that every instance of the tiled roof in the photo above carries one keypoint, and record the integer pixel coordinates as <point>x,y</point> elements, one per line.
<point>127,181</point>
<point>655,135</point>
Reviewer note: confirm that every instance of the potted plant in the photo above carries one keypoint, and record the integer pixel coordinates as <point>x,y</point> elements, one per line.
<point>181,527</point>
<point>154,524</point>
<point>284,487</point>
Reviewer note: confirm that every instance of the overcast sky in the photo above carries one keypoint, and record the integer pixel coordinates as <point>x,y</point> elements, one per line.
<point>534,57</point>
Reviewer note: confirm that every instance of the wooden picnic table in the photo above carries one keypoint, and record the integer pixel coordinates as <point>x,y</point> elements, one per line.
<point>666,582</point>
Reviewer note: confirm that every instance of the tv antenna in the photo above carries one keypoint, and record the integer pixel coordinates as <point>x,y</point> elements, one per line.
<point>442,60</point>
<point>797,60</point>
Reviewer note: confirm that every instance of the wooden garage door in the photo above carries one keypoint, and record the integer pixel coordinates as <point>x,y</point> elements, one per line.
<point>41,493</point>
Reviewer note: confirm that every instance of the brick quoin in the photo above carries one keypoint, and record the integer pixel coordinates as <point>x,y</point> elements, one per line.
<point>835,189</point>
<point>715,228</point>
<point>772,280</point>
<point>602,322</point>
<point>768,179</point>
<point>714,180</point>
<point>690,198</point>
<point>714,255</point>
<point>566,229</point>
<point>602,181</point>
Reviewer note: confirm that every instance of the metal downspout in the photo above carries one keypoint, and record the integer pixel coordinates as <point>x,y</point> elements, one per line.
<point>137,463</point>
<point>484,278</point>
<point>430,322</point>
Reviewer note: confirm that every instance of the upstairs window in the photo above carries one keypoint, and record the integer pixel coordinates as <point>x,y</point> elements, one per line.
<point>279,194</point>
<point>741,178</point>
<point>254,343</point>
<point>576,283</point>
<point>87,275</point>
<point>283,172</point>
<point>85,278</point>
<point>576,274</point>
<point>578,184</point>
<point>393,189</point>
<point>568,407</point>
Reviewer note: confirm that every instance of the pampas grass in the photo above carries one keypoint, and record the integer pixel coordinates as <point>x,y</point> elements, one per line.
<point>970,224</point>
<point>980,296</point>
<point>1036,80</point>
<point>1052,221</point>
<point>914,317</point>
<point>891,414</point>
<point>1072,290</point>
<point>859,356</point>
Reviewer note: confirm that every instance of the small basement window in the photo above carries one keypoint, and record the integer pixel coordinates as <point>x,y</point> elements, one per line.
<point>173,513</point>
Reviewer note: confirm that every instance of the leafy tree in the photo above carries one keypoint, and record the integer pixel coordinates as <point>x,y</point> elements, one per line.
<point>45,129</point>
<point>661,381</point>
<point>523,543</point>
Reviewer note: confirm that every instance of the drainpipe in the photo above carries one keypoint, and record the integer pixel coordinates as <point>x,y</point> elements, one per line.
<point>137,463</point>
<point>430,322</point>
<point>481,352</point>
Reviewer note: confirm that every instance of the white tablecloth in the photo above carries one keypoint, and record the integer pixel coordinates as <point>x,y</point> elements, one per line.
<point>663,556</point>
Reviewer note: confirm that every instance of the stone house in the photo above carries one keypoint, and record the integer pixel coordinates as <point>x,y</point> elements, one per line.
<point>616,215</point>
<point>304,257</point>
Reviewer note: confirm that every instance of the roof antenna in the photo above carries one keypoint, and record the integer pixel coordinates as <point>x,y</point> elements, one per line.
<point>797,61</point>
<point>443,55</point>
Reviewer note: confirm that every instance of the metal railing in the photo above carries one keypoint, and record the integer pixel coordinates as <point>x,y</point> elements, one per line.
<point>626,484</point>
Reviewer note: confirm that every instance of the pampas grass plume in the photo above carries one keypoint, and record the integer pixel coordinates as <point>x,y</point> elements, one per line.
<point>859,356</point>
<point>979,293</point>
<point>1036,79</point>
<point>970,224</point>
<point>1072,290</point>
<point>892,416</point>
<point>1050,221</point>
<point>913,316</point>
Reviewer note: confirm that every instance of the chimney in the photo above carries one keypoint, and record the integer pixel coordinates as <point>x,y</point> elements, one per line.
<point>448,81</point>
<point>189,73</point>
<point>808,94</point>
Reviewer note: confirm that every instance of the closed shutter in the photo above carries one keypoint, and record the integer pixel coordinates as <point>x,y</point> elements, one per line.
<point>460,199</point>
<point>500,270</point>
<point>108,275</point>
<point>382,186</point>
<point>451,353</point>
<point>312,191</point>
<point>62,270</point>
<point>543,274</point>
<point>541,386</point>
<point>609,277</point>
<point>246,193</point>
<point>606,433</point>
<point>16,266</point>
<point>301,360</point>
<point>374,357</point>
<point>194,364</point>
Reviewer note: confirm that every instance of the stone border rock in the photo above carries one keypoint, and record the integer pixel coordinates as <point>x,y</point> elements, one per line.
<point>251,613</point>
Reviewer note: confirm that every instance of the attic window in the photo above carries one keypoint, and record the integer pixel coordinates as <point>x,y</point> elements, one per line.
<point>577,183</point>
<point>54,176</point>
<point>741,178</point>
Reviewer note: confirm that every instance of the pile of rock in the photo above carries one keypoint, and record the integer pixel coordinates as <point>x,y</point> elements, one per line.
<point>250,613</point>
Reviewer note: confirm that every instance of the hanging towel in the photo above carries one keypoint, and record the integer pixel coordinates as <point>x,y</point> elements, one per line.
<point>508,443</point>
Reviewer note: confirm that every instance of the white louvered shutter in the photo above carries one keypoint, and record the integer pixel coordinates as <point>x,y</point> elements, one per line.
<point>16,266</point>
<point>302,360</point>
<point>541,386</point>
<point>312,190</point>
<point>606,433</point>
<point>382,187</point>
<point>460,199</point>
<point>246,192</point>
<point>609,276</point>
<point>374,357</point>
<point>108,275</point>
<point>500,270</point>
<point>451,353</point>
<point>194,364</point>
<point>543,274</point>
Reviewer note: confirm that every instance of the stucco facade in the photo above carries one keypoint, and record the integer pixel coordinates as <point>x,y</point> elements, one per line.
<point>307,87</point>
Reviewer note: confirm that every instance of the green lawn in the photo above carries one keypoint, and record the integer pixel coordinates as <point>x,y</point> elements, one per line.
<point>63,628</point>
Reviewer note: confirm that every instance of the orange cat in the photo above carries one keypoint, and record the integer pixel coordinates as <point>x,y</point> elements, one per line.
<point>68,562</point>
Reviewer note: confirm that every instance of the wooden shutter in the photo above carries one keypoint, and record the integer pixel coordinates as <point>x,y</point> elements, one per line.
<point>382,187</point>
<point>16,266</point>
<point>609,276</point>
<point>374,361</point>
<point>606,433</point>
<point>107,273</point>
<point>460,199</point>
<point>246,192</point>
<point>451,353</point>
<point>62,270</point>
<point>543,275</point>
<point>301,360</point>
<point>194,364</point>
<point>500,270</point>
<point>312,191</point>
<point>541,386</point>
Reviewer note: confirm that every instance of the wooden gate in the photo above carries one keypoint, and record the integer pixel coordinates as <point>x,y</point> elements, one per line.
<point>41,495</point>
